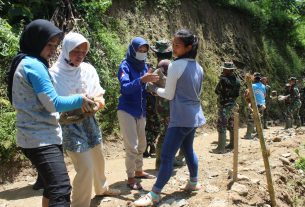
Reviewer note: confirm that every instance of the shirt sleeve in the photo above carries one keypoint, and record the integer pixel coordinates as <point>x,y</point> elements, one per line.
<point>174,72</point>
<point>127,86</point>
<point>97,89</point>
<point>38,76</point>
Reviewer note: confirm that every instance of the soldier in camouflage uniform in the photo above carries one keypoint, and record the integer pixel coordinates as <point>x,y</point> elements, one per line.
<point>163,52</point>
<point>264,80</point>
<point>294,106</point>
<point>154,127</point>
<point>227,90</point>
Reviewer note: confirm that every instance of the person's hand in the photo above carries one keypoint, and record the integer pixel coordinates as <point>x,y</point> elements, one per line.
<point>99,101</point>
<point>88,104</point>
<point>149,77</point>
<point>151,88</point>
<point>250,107</point>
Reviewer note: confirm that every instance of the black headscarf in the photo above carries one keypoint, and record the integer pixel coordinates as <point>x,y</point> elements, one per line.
<point>33,39</point>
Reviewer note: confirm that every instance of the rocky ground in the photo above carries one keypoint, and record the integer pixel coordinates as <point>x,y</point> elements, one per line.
<point>214,175</point>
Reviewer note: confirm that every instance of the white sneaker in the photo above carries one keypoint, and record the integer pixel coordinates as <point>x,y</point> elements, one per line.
<point>148,200</point>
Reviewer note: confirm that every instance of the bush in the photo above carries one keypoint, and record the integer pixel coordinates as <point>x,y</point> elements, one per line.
<point>300,163</point>
<point>8,49</point>
<point>8,148</point>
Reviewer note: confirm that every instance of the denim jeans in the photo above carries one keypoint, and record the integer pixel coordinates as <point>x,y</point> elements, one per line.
<point>175,138</point>
<point>49,162</point>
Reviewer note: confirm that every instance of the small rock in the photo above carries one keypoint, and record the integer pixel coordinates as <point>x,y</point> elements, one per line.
<point>106,199</point>
<point>255,181</point>
<point>242,177</point>
<point>218,203</point>
<point>213,175</point>
<point>262,171</point>
<point>276,139</point>
<point>230,174</point>
<point>286,155</point>
<point>211,189</point>
<point>285,161</point>
<point>240,189</point>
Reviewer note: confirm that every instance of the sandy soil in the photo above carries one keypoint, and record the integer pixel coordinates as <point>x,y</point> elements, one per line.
<point>289,184</point>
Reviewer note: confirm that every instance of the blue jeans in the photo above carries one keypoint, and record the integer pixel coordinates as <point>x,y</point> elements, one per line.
<point>175,138</point>
<point>49,161</point>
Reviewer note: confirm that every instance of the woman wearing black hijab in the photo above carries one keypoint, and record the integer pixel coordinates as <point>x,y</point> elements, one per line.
<point>32,94</point>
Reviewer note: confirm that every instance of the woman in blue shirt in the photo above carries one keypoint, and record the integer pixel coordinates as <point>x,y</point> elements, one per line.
<point>133,76</point>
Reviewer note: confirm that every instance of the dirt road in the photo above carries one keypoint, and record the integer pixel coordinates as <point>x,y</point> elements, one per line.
<point>213,175</point>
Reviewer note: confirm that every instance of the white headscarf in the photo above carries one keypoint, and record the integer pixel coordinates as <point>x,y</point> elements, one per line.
<point>70,80</point>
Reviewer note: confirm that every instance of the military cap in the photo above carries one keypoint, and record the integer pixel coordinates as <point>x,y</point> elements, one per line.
<point>162,46</point>
<point>257,75</point>
<point>292,78</point>
<point>228,66</point>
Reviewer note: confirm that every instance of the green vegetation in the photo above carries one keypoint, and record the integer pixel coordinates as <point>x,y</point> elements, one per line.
<point>281,20</point>
<point>300,162</point>
<point>8,48</point>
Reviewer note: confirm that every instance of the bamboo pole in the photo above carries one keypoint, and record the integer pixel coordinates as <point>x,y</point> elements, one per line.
<point>235,157</point>
<point>259,130</point>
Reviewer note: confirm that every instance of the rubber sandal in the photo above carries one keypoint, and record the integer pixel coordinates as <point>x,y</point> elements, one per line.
<point>134,186</point>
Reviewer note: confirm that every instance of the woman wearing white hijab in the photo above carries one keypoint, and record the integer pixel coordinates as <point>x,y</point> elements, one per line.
<point>82,140</point>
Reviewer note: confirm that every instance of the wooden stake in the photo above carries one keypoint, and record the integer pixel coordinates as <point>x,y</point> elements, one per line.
<point>235,157</point>
<point>261,139</point>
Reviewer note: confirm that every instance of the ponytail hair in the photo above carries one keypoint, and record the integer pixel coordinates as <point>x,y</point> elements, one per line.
<point>188,38</point>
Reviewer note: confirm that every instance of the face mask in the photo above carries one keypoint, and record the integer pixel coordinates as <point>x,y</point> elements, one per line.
<point>141,56</point>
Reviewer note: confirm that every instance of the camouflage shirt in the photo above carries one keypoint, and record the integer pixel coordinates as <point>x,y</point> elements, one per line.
<point>227,90</point>
<point>294,94</point>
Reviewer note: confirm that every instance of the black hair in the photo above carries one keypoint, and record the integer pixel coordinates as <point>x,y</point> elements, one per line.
<point>188,38</point>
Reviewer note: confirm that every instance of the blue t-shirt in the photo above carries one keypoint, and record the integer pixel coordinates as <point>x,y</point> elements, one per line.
<point>259,90</point>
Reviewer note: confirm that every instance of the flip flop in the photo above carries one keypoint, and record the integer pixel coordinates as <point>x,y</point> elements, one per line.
<point>134,186</point>
<point>146,176</point>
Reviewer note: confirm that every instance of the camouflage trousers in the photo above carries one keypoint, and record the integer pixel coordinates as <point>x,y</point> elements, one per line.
<point>160,141</point>
<point>152,128</point>
<point>261,110</point>
<point>293,111</point>
<point>302,112</point>
<point>226,118</point>
<point>266,115</point>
